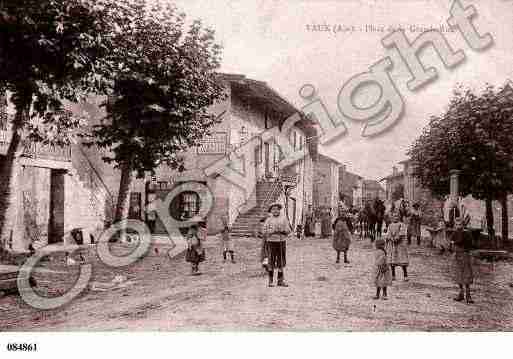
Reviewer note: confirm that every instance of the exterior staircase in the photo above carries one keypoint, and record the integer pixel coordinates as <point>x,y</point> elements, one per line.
<point>266,194</point>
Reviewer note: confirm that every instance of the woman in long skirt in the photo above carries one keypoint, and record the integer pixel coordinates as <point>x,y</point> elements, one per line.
<point>309,222</point>
<point>341,237</point>
<point>463,273</point>
<point>326,223</point>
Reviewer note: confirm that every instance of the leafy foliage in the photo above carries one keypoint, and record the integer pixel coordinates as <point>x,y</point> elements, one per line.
<point>52,51</point>
<point>164,82</point>
<point>473,136</point>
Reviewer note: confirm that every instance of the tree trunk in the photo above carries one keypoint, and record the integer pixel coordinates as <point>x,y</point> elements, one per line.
<point>505,221</point>
<point>489,221</point>
<point>9,170</point>
<point>123,204</point>
<point>124,191</point>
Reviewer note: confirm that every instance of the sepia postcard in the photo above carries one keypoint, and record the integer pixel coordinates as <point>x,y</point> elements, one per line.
<point>311,166</point>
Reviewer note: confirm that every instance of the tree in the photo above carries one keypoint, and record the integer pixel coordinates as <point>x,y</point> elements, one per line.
<point>164,82</point>
<point>472,136</point>
<point>398,192</point>
<point>50,51</point>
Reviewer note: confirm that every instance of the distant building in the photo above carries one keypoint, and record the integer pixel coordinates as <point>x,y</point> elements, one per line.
<point>367,190</point>
<point>347,182</point>
<point>326,182</point>
<point>394,184</point>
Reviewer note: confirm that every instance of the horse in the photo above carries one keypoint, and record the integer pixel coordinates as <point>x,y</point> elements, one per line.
<point>379,210</point>
<point>370,217</point>
<point>361,222</point>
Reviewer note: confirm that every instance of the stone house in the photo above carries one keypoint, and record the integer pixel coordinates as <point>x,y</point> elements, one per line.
<point>61,189</point>
<point>326,182</point>
<point>393,182</point>
<point>347,182</point>
<point>251,108</point>
<point>57,190</point>
<point>367,190</point>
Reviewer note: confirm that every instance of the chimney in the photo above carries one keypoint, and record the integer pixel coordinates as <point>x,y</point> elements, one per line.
<point>394,170</point>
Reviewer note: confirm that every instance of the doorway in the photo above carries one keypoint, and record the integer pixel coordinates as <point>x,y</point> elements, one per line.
<point>56,220</point>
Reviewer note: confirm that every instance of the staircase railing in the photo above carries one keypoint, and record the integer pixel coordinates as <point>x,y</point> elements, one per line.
<point>96,181</point>
<point>271,194</point>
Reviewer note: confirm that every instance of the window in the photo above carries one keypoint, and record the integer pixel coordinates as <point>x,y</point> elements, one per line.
<point>295,140</point>
<point>213,144</point>
<point>301,142</point>
<point>134,211</point>
<point>190,204</point>
<point>258,154</point>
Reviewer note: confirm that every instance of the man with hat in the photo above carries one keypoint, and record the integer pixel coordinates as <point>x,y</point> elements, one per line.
<point>275,230</point>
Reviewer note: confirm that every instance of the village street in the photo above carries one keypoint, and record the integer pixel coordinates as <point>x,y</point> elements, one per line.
<point>322,295</point>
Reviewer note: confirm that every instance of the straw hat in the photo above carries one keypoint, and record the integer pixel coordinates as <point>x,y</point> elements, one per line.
<point>279,205</point>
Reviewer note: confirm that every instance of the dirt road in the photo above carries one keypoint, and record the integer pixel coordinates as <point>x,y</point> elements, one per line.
<point>322,295</point>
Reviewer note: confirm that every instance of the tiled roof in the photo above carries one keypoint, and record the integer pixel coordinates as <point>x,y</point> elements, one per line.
<point>327,158</point>
<point>392,176</point>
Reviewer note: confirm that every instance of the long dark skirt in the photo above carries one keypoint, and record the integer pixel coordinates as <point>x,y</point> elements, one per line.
<point>277,255</point>
<point>195,255</point>
<point>309,228</point>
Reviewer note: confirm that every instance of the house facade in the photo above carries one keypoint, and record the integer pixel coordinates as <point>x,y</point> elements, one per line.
<point>57,190</point>
<point>326,182</point>
<point>250,109</point>
<point>394,185</point>
<point>63,189</point>
<point>367,190</point>
<point>347,182</point>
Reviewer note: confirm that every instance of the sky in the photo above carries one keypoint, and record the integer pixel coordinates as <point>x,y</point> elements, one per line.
<point>273,41</point>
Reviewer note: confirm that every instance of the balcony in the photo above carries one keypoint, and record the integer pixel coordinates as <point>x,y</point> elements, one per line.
<point>289,179</point>
<point>215,144</point>
<point>36,150</point>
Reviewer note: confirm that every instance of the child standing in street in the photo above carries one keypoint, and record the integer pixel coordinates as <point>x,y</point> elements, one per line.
<point>226,239</point>
<point>396,248</point>
<point>382,276</point>
<point>195,252</point>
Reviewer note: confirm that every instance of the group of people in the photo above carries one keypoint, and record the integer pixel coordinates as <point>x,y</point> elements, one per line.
<point>327,224</point>
<point>409,215</point>
<point>393,252</point>
<point>391,249</point>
